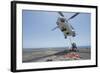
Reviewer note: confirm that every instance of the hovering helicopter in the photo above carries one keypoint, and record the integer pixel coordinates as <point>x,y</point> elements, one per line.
<point>65,26</point>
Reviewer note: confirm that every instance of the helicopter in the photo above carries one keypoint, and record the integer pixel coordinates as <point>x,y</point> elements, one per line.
<point>65,26</point>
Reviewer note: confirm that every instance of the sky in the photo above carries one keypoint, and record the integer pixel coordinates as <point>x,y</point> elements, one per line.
<point>37,26</point>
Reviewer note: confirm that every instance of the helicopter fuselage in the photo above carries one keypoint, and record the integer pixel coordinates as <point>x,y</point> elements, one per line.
<point>65,27</point>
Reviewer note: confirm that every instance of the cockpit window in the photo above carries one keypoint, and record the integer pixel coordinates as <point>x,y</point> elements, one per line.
<point>62,20</point>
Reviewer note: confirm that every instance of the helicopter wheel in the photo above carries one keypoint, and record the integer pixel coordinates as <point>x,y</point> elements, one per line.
<point>65,37</point>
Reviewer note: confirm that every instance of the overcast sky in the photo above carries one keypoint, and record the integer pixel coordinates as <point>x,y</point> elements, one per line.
<point>37,27</point>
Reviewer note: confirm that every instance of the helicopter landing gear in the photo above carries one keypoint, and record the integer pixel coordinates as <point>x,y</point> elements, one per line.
<point>65,37</point>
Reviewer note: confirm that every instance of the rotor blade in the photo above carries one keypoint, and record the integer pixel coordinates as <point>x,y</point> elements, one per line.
<point>55,28</point>
<point>73,16</point>
<point>61,14</point>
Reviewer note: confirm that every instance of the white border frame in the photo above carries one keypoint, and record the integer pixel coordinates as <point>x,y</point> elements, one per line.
<point>21,65</point>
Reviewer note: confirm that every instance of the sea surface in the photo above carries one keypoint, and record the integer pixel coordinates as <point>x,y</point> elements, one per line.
<point>52,53</point>
<point>52,48</point>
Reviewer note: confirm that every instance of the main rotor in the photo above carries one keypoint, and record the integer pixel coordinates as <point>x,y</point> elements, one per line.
<point>73,16</point>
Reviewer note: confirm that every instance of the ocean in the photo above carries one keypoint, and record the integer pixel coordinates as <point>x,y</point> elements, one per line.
<point>52,48</point>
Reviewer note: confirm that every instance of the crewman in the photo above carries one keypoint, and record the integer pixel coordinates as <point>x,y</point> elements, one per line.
<point>74,47</point>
